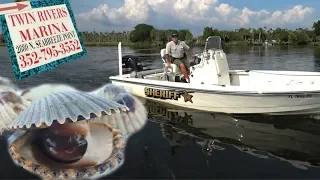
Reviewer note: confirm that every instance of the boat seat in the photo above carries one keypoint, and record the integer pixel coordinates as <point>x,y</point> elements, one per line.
<point>222,67</point>
<point>174,68</point>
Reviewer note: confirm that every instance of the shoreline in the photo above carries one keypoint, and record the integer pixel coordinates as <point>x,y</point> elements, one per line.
<point>129,44</point>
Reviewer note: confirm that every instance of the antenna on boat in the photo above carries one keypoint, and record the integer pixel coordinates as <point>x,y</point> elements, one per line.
<point>120,58</point>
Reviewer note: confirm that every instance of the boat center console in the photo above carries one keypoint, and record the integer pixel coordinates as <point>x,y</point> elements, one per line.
<point>212,68</point>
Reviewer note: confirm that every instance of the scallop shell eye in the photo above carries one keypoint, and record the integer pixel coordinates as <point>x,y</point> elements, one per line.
<point>132,121</point>
<point>61,138</point>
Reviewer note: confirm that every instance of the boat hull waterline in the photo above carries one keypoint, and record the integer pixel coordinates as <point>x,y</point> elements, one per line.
<point>214,87</point>
<point>231,103</point>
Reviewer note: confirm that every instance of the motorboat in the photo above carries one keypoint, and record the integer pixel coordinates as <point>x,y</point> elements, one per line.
<point>296,142</point>
<point>215,87</point>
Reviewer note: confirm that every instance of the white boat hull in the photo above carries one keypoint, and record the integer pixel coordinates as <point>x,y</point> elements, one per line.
<point>214,87</point>
<point>277,104</point>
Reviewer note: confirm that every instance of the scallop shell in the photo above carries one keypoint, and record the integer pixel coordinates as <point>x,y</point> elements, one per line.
<point>38,92</point>
<point>112,163</point>
<point>65,106</point>
<point>11,105</point>
<point>130,122</point>
<point>7,85</point>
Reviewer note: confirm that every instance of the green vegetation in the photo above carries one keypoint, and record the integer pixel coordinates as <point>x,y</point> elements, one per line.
<point>147,35</point>
<point>144,35</point>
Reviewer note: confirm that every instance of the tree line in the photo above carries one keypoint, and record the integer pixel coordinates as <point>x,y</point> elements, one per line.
<point>248,36</point>
<point>147,34</point>
<point>151,36</point>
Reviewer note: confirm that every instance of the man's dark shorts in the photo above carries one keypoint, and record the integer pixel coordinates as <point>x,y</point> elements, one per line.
<point>180,61</point>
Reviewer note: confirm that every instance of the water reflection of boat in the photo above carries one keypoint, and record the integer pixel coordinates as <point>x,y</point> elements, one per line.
<point>296,142</point>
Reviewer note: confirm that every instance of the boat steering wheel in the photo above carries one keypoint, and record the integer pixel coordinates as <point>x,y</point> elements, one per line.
<point>196,59</point>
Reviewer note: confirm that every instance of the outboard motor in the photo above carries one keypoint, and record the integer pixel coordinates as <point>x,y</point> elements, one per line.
<point>131,63</point>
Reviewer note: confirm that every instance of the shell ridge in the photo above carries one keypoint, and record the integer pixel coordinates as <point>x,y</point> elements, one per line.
<point>6,113</point>
<point>95,105</point>
<point>121,123</point>
<point>118,117</point>
<point>6,109</point>
<point>22,116</point>
<point>42,104</point>
<point>75,108</point>
<point>113,121</point>
<point>135,123</point>
<point>138,113</point>
<point>126,120</point>
<point>30,123</point>
<point>105,119</point>
<point>12,124</point>
<point>37,115</point>
<point>53,111</point>
<point>84,108</point>
<point>141,112</point>
<point>66,110</point>
<point>58,109</point>
<point>46,110</point>
<point>106,104</point>
<point>141,116</point>
<point>108,120</point>
<point>4,116</point>
<point>88,108</point>
<point>34,117</point>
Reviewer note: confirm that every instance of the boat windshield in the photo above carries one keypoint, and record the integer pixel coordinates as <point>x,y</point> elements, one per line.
<point>213,42</point>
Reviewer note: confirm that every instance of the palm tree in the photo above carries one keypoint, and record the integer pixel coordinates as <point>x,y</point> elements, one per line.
<point>224,35</point>
<point>243,33</point>
<point>260,30</point>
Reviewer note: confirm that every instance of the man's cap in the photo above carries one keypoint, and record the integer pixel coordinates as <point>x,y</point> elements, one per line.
<point>174,35</point>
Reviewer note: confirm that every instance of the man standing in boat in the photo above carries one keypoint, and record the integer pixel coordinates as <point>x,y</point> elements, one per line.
<point>176,53</point>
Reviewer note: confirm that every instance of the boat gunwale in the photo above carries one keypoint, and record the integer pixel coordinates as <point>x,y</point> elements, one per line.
<point>238,93</point>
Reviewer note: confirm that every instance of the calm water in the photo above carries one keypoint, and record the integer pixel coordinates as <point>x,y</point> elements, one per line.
<point>180,143</point>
